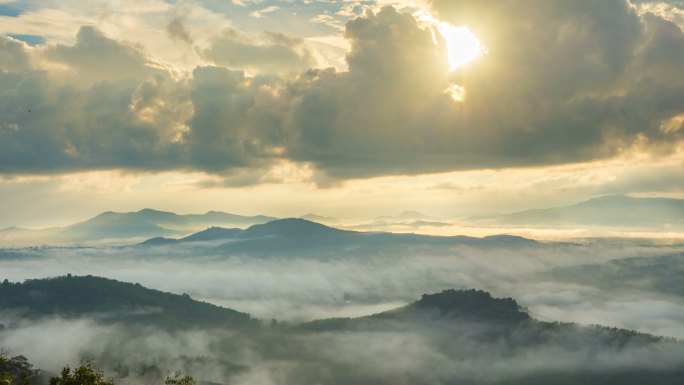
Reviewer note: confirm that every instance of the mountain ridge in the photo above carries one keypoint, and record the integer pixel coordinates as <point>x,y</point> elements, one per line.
<point>292,235</point>
<point>607,210</point>
<point>144,223</point>
<point>113,301</point>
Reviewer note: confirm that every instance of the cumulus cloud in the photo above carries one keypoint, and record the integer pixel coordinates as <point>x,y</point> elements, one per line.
<point>96,57</point>
<point>177,31</point>
<point>561,83</point>
<point>277,53</point>
<point>14,56</point>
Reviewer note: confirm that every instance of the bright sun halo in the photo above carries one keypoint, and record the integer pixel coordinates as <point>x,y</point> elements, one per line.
<point>462,45</point>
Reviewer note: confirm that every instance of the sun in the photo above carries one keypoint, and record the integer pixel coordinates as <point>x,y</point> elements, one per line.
<point>462,45</point>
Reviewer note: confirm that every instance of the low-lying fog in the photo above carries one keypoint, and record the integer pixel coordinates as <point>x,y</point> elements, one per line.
<point>550,280</point>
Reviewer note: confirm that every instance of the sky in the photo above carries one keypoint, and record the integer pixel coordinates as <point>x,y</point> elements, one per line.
<point>344,108</point>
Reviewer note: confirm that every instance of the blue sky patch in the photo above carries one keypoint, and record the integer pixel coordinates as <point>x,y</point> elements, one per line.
<point>9,10</point>
<point>31,40</point>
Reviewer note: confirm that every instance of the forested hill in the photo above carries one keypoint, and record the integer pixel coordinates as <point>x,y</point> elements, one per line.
<point>490,341</point>
<point>470,306</point>
<point>108,300</point>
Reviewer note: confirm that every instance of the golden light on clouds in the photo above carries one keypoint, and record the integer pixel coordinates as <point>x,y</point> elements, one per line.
<point>462,45</point>
<point>456,92</point>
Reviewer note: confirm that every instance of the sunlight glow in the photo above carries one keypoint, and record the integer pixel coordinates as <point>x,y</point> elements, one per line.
<point>456,92</point>
<point>462,45</point>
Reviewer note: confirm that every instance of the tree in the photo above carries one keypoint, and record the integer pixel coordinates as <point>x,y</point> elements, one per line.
<point>178,379</point>
<point>16,370</point>
<point>84,374</point>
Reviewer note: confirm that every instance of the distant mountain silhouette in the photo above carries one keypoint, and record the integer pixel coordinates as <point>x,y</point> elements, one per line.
<point>108,300</point>
<point>319,219</point>
<point>211,234</point>
<point>220,218</point>
<point>507,239</point>
<point>404,221</point>
<point>155,216</point>
<point>409,215</point>
<point>149,223</point>
<point>412,214</point>
<point>402,225</point>
<point>172,219</point>
<point>20,237</point>
<point>12,229</point>
<point>612,210</point>
<point>290,227</point>
<point>302,237</point>
<point>158,241</point>
<point>111,225</point>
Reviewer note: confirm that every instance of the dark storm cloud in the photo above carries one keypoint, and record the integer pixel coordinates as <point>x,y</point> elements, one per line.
<point>562,82</point>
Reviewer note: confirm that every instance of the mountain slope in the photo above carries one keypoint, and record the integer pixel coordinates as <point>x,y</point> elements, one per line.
<point>612,210</point>
<point>109,300</point>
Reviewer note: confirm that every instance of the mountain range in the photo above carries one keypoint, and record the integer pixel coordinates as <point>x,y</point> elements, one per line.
<point>302,237</point>
<point>120,226</point>
<point>607,211</point>
<point>613,211</point>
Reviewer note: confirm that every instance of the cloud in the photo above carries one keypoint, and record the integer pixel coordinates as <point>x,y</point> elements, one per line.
<point>261,12</point>
<point>276,53</point>
<point>586,95</point>
<point>110,109</point>
<point>646,179</point>
<point>96,57</point>
<point>14,56</point>
<point>561,83</point>
<point>177,31</point>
